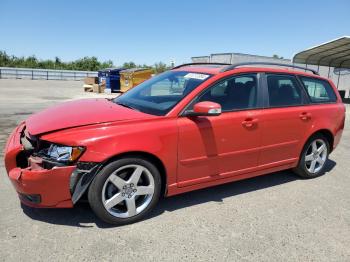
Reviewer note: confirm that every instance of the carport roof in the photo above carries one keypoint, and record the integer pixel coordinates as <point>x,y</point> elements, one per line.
<point>335,53</point>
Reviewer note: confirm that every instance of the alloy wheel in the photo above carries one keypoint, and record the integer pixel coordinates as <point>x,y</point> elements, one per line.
<point>128,191</point>
<point>316,156</point>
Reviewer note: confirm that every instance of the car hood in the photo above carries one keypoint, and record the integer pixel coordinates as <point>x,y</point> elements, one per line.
<point>79,113</point>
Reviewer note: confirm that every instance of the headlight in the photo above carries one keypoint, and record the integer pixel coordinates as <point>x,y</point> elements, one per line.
<point>64,153</point>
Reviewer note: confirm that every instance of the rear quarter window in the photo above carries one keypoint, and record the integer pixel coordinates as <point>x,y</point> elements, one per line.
<point>319,91</point>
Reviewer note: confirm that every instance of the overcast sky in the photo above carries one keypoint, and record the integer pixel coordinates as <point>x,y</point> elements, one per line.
<point>151,31</point>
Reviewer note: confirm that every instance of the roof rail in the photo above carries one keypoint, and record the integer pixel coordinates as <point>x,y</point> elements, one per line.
<point>204,63</point>
<point>230,67</point>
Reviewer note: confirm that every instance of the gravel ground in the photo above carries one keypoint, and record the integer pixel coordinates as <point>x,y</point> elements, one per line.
<point>277,217</point>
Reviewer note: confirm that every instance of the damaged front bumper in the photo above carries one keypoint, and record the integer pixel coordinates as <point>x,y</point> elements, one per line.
<point>43,184</point>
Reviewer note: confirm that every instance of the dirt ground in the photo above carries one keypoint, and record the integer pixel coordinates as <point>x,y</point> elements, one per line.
<point>277,217</point>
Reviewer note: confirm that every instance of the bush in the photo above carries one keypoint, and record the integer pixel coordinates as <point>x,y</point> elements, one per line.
<point>84,64</point>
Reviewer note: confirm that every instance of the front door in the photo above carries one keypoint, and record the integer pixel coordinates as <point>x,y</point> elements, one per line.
<point>214,147</point>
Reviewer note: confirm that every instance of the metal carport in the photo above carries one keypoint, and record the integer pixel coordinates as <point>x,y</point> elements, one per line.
<point>335,53</point>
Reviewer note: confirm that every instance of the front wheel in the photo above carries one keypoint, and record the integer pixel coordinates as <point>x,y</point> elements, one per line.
<point>125,190</point>
<point>314,157</point>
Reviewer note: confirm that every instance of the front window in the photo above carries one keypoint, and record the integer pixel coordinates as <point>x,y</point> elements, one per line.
<point>233,94</point>
<point>158,95</point>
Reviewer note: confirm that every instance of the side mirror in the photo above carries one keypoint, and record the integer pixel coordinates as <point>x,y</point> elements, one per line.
<point>205,108</point>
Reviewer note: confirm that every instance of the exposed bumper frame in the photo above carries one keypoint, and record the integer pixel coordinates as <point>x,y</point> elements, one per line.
<point>60,186</point>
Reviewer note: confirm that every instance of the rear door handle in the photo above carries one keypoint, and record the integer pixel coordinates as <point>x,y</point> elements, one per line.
<point>305,116</point>
<point>249,122</point>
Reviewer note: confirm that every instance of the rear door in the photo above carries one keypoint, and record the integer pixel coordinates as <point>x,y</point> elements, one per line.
<point>284,121</point>
<point>215,147</point>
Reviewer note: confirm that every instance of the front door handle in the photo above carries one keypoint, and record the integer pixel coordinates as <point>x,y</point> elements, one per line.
<point>249,122</point>
<point>305,116</point>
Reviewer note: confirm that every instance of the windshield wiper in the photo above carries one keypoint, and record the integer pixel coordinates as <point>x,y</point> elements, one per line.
<point>126,105</point>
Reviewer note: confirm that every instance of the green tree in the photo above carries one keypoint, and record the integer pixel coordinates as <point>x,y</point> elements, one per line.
<point>107,64</point>
<point>85,63</point>
<point>4,59</point>
<point>129,65</point>
<point>160,67</point>
<point>277,56</point>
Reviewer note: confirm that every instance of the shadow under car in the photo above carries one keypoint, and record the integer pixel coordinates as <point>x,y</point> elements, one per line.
<point>82,214</point>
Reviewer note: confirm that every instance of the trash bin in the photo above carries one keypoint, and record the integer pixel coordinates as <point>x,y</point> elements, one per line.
<point>112,79</point>
<point>130,78</point>
<point>342,93</point>
<point>102,76</point>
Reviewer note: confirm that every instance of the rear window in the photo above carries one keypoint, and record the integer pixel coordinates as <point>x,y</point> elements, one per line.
<point>319,91</point>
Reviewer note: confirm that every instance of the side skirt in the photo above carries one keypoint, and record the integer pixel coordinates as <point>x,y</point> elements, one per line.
<point>175,189</point>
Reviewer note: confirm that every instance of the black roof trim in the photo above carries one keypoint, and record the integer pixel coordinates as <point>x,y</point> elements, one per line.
<point>230,67</point>
<point>189,64</point>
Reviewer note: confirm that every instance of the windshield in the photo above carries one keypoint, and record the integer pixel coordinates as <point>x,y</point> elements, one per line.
<point>158,95</point>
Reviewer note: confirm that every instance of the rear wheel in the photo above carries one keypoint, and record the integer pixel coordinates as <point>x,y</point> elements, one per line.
<point>125,190</point>
<point>314,157</point>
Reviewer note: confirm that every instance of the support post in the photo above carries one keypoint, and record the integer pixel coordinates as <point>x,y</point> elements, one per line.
<point>338,80</point>
<point>329,71</point>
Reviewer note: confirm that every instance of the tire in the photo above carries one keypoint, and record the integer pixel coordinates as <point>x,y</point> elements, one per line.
<point>125,191</point>
<point>313,159</point>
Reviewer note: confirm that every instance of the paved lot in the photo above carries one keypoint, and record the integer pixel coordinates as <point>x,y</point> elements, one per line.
<point>277,217</point>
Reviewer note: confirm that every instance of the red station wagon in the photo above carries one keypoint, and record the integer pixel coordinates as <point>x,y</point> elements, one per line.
<point>195,126</point>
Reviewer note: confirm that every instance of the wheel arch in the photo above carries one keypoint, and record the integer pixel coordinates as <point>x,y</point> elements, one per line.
<point>147,156</point>
<point>327,134</point>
